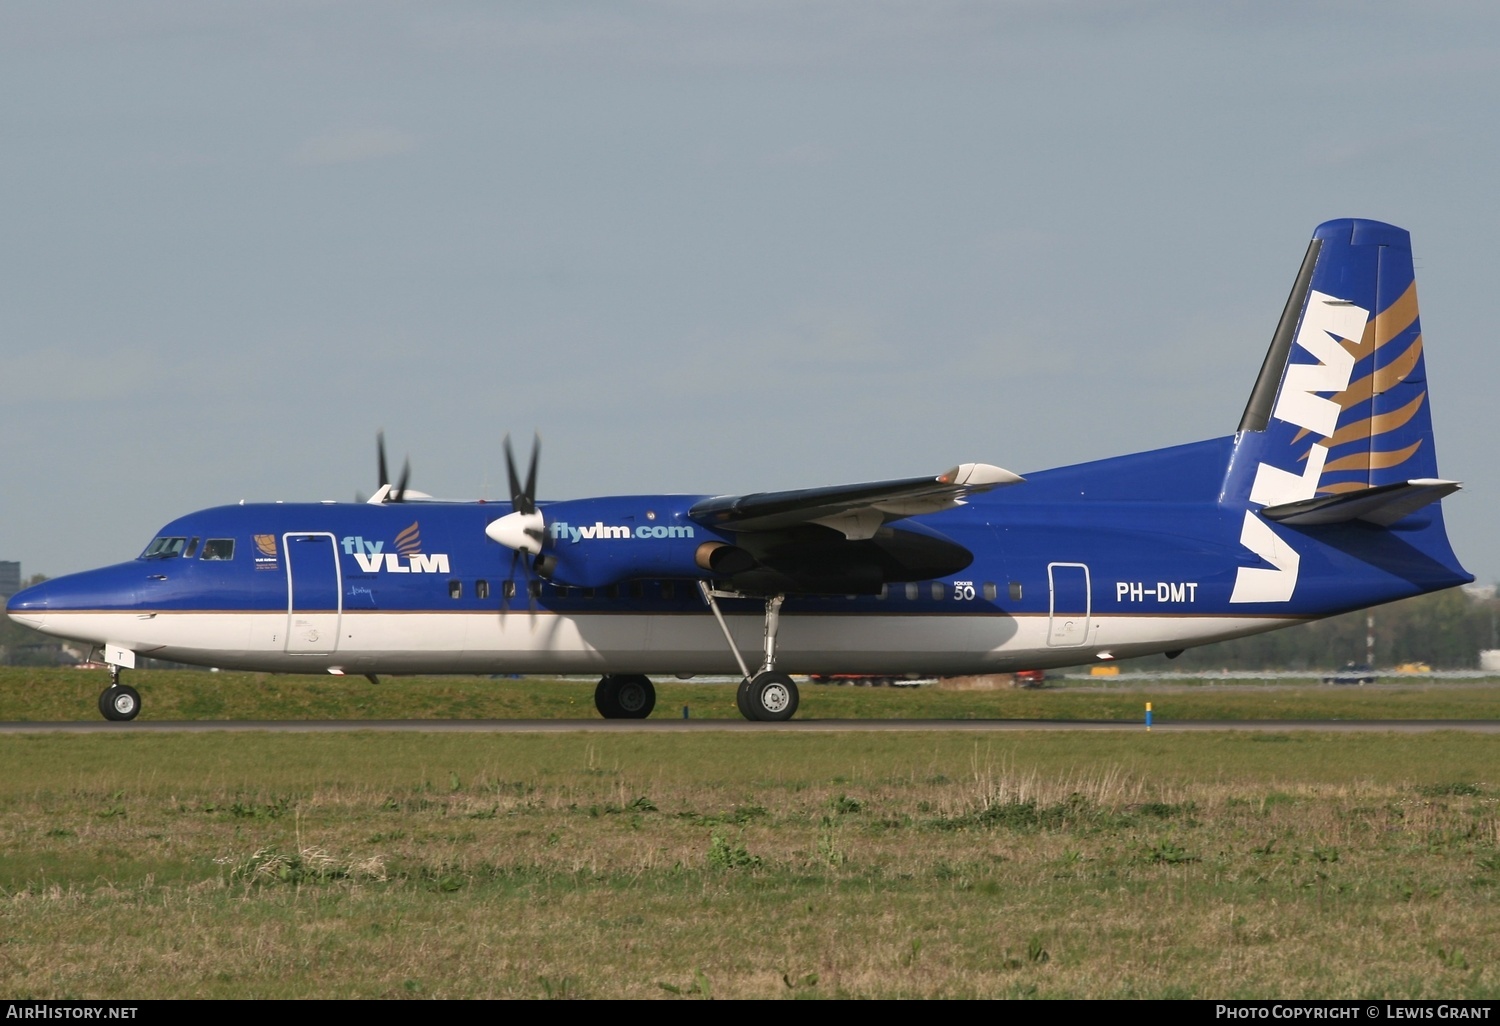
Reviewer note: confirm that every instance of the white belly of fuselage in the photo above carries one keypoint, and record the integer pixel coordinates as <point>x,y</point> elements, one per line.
<point>651,643</point>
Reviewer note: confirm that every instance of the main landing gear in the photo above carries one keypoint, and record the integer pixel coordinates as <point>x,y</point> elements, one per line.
<point>624,697</point>
<point>119,701</point>
<point>770,695</point>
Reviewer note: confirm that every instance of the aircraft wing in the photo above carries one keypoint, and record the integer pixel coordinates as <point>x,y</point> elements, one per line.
<point>856,510</point>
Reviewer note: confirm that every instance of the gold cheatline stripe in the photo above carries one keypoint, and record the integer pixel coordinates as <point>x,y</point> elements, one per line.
<point>1385,325</point>
<point>1379,330</point>
<point>1397,317</point>
<point>1373,427</point>
<point>1373,460</point>
<point>1382,380</point>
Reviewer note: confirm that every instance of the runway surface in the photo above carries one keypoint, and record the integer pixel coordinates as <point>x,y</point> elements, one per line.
<point>666,726</point>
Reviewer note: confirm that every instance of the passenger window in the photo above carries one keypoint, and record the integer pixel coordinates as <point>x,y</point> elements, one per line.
<point>938,591</point>
<point>534,588</point>
<point>1015,591</point>
<point>990,591</point>
<point>455,589</point>
<point>668,590</point>
<point>482,589</point>
<point>508,590</point>
<point>218,548</point>
<point>911,591</point>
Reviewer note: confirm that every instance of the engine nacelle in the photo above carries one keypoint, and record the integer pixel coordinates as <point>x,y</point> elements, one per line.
<point>592,543</point>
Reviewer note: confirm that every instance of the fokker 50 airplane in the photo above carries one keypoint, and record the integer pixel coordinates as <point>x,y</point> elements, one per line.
<point>1324,500</point>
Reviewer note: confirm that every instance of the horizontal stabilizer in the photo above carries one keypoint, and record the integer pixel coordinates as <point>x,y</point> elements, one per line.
<point>1382,504</point>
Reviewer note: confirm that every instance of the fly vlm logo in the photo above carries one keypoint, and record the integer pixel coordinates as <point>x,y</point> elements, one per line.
<point>562,531</point>
<point>371,558</point>
<point>1326,322</point>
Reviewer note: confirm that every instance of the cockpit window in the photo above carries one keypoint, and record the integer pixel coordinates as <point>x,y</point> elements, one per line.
<point>218,548</point>
<point>164,548</point>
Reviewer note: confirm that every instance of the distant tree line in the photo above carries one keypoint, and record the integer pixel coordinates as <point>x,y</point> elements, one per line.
<point>1446,630</point>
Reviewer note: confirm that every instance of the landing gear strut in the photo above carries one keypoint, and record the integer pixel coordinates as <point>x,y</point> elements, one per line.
<point>119,701</point>
<point>624,697</point>
<point>769,695</point>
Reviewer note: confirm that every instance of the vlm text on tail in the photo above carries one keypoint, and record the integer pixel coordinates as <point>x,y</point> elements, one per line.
<point>1334,462</point>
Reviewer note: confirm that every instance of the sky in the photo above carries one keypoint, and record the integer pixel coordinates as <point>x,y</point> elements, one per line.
<point>697,247</point>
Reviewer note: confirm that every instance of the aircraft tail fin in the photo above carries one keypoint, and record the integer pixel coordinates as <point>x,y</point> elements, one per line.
<point>1341,405</point>
<point>1335,447</point>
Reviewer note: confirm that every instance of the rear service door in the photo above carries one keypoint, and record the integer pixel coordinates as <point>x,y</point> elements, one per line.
<point>314,592</point>
<point>1068,624</point>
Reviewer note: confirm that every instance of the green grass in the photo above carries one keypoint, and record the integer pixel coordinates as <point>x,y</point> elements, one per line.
<point>758,865</point>
<point>694,865</point>
<point>54,695</point>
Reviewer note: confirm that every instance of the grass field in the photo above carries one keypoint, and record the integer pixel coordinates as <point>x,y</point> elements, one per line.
<point>1050,865</point>
<point>54,695</point>
<point>931,864</point>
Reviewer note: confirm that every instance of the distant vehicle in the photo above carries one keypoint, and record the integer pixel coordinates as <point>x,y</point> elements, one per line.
<point>1030,678</point>
<point>1417,667</point>
<point>874,680</point>
<point>1352,673</point>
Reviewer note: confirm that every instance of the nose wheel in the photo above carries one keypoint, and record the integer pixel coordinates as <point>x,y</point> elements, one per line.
<point>119,701</point>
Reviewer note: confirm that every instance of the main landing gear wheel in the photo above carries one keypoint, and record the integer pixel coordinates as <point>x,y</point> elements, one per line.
<point>770,696</point>
<point>624,697</point>
<point>120,702</point>
<point>742,699</point>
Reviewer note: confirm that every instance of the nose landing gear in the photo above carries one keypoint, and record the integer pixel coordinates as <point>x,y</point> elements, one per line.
<point>119,701</point>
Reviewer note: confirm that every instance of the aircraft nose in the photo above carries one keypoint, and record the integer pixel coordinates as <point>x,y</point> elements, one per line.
<point>47,605</point>
<point>29,606</point>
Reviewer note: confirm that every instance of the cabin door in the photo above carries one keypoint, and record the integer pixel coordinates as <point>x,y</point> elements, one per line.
<point>1071,606</point>
<point>314,592</point>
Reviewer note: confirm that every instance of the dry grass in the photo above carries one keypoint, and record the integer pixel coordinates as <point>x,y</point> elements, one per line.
<point>916,866</point>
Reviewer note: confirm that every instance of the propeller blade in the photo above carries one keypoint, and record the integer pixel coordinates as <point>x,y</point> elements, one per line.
<point>399,493</point>
<point>388,492</point>
<point>536,452</point>
<point>510,473</point>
